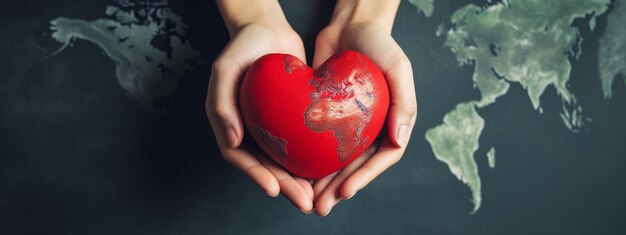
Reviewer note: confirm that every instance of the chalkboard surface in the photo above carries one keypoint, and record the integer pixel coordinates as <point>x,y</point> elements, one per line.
<point>103,129</point>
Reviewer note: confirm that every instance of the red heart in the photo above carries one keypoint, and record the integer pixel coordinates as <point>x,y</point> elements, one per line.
<point>314,122</point>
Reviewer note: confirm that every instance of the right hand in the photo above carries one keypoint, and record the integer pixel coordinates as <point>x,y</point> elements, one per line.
<point>249,41</point>
<point>365,26</point>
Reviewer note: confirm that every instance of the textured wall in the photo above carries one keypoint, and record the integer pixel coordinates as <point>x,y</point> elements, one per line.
<point>82,152</point>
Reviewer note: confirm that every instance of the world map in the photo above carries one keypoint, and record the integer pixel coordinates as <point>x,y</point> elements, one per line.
<point>342,105</point>
<point>504,45</point>
<point>146,40</point>
<point>529,43</point>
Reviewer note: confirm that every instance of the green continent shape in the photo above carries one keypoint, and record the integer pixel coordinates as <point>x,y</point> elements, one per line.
<point>454,143</point>
<point>612,51</point>
<point>528,42</point>
<point>425,6</point>
<point>144,71</point>
<point>491,157</point>
<point>524,41</point>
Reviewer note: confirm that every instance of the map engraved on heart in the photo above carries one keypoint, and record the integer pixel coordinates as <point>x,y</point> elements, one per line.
<point>342,105</point>
<point>314,122</point>
<point>292,63</point>
<point>278,146</point>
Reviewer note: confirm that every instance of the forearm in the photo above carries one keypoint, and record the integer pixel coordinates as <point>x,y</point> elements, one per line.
<point>238,13</point>
<point>382,12</point>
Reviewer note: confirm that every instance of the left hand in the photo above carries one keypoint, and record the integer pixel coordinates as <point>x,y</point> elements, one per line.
<point>258,29</point>
<point>366,27</point>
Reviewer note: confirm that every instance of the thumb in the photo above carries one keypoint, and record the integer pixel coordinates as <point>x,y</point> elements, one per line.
<point>222,104</point>
<point>398,72</point>
<point>403,105</point>
<point>326,45</point>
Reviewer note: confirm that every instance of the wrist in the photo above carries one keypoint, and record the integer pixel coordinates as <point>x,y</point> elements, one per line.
<point>380,12</point>
<point>262,12</point>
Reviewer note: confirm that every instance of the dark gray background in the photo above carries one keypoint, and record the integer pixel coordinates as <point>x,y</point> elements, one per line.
<point>79,156</point>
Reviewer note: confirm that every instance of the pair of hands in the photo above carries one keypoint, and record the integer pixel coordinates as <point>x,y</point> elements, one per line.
<point>262,34</point>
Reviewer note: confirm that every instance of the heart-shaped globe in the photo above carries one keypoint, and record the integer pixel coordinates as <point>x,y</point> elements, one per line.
<point>314,122</point>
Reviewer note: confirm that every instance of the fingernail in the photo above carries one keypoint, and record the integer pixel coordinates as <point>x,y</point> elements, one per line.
<point>328,212</point>
<point>351,196</point>
<point>306,212</point>
<point>268,193</point>
<point>232,137</point>
<point>402,135</point>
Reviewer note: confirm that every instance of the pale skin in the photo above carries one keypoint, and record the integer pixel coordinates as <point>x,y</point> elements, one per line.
<point>261,28</point>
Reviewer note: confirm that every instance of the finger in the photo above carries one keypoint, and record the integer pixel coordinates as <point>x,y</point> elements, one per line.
<point>306,185</point>
<point>326,45</point>
<point>330,196</point>
<point>254,169</point>
<point>289,187</point>
<point>321,184</point>
<point>386,156</point>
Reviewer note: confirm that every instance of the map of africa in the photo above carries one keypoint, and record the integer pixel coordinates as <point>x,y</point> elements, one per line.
<point>506,47</point>
<point>343,106</point>
<point>145,40</point>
